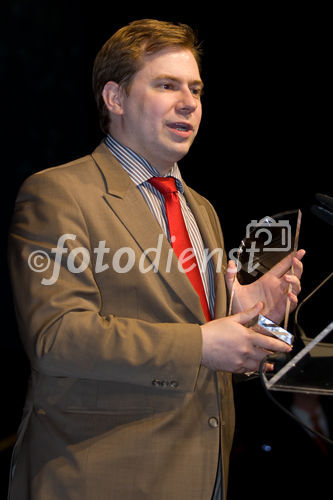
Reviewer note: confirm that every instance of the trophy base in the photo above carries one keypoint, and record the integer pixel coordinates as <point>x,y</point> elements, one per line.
<point>263,325</point>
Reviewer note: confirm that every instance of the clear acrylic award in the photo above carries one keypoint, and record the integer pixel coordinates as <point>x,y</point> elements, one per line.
<point>309,366</point>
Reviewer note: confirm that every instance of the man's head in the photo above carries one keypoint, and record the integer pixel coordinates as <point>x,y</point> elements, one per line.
<point>123,55</point>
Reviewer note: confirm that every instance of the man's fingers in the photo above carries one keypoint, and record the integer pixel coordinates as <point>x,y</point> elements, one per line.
<point>259,353</point>
<point>230,274</point>
<point>285,264</point>
<point>246,316</point>
<point>293,284</point>
<point>269,343</point>
<point>297,265</point>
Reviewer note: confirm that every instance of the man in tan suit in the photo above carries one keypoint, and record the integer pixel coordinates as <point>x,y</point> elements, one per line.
<point>130,394</point>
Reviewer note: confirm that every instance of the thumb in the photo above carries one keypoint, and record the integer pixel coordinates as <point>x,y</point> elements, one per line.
<point>246,316</point>
<point>231,274</point>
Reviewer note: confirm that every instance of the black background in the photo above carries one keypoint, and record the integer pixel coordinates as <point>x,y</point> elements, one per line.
<point>263,147</point>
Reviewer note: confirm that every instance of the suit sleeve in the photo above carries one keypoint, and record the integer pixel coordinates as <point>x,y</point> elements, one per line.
<point>61,326</point>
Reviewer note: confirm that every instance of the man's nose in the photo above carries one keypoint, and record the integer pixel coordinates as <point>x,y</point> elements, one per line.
<point>187,102</point>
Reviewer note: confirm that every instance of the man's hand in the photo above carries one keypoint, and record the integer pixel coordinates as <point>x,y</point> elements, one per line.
<point>230,346</point>
<point>272,288</point>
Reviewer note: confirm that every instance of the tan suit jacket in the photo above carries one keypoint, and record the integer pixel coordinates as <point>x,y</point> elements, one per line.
<point>118,406</point>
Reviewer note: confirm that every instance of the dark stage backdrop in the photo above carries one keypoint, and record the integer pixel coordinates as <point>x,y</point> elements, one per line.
<point>264,144</point>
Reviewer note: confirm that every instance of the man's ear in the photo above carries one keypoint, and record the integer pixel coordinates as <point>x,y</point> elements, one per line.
<point>112,97</point>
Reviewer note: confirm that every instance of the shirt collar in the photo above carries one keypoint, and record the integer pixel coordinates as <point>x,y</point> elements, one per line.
<point>137,167</point>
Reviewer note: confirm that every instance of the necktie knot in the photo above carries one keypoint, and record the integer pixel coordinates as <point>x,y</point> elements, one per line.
<point>165,185</point>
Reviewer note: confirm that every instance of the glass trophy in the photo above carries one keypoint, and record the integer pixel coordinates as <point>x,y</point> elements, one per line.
<point>266,243</point>
<point>309,366</point>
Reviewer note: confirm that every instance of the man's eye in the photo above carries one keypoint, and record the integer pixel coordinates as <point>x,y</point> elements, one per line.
<point>197,92</point>
<point>167,86</point>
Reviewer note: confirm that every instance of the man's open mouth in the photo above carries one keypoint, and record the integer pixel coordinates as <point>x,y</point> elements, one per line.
<point>182,127</point>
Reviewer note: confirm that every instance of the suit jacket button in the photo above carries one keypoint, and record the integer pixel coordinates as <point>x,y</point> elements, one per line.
<point>164,383</point>
<point>156,382</point>
<point>174,384</point>
<point>213,422</point>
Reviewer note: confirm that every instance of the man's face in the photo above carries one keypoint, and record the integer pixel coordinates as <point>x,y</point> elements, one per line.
<point>161,112</point>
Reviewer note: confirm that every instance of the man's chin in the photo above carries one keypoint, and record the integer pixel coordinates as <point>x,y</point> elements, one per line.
<point>181,151</point>
<point>172,154</point>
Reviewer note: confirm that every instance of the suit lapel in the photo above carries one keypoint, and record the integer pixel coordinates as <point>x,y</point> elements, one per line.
<point>127,203</point>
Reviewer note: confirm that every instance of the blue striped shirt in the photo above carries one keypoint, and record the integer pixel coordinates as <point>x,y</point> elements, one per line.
<point>140,171</point>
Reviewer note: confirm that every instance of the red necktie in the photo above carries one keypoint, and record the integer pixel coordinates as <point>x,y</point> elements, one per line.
<point>180,240</point>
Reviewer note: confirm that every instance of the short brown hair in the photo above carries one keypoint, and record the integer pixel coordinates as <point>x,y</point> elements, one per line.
<point>122,56</point>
